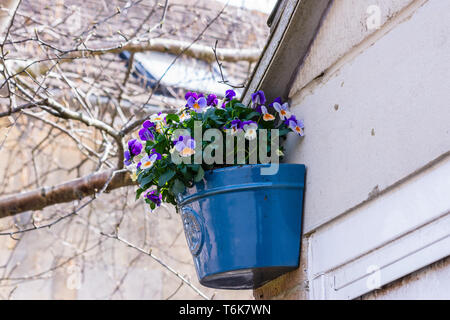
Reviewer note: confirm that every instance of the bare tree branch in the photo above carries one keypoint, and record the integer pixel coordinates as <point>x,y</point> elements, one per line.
<point>73,190</point>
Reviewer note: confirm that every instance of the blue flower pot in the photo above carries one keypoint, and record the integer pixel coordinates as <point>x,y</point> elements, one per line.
<point>244,228</point>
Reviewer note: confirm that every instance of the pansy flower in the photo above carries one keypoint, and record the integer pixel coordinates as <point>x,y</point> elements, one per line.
<point>160,121</point>
<point>127,158</point>
<point>159,117</point>
<point>295,125</point>
<point>190,94</point>
<point>185,145</point>
<point>153,196</point>
<point>277,99</point>
<point>134,147</point>
<point>258,98</point>
<point>197,104</point>
<point>146,133</point>
<point>148,124</point>
<point>250,128</point>
<point>230,94</point>
<point>283,110</point>
<point>266,115</point>
<point>149,160</point>
<point>236,126</point>
<point>212,100</point>
<point>185,115</point>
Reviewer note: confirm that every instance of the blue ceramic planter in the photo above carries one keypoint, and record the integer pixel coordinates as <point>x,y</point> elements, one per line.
<point>244,228</point>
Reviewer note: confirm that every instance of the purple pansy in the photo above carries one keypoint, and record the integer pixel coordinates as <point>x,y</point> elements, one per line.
<point>135,147</point>
<point>194,95</point>
<point>248,122</point>
<point>197,104</point>
<point>282,109</point>
<point>230,94</point>
<point>149,160</point>
<point>291,118</point>
<point>185,145</point>
<point>266,115</point>
<point>127,161</point>
<point>258,98</point>
<point>146,133</point>
<point>148,124</point>
<point>295,125</point>
<point>250,128</point>
<point>236,123</point>
<point>212,100</point>
<point>154,197</point>
<point>236,126</point>
<point>191,94</point>
<point>277,100</point>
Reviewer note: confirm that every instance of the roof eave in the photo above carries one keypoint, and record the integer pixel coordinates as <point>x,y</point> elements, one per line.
<point>292,35</point>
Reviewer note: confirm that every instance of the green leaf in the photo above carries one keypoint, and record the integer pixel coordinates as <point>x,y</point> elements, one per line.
<point>178,187</point>
<point>166,176</point>
<point>146,180</point>
<point>159,147</point>
<point>252,115</point>
<point>219,112</point>
<point>172,117</point>
<point>200,174</point>
<point>284,132</point>
<point>209,114</point>
<point>138,193</point>
<point>240,105</point>
<point>194,167</point>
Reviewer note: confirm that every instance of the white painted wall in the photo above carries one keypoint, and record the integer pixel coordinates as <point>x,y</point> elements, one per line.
<point>392,117</point>
<point>377,146</point>
<point>347,24</point>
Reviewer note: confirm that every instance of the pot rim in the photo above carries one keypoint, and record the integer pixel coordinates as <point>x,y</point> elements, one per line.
<point>237,166</point>
<point>187,197</point>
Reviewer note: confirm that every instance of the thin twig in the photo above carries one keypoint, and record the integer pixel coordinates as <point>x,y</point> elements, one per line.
<point>221,72</point>
<point>128,127</point>
<point>152,255</point>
